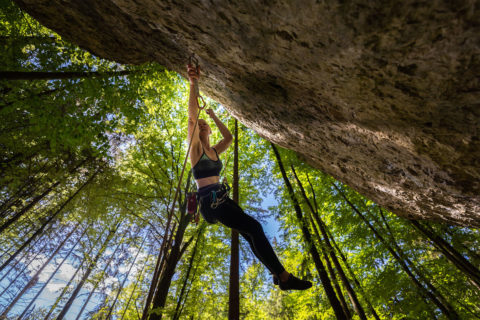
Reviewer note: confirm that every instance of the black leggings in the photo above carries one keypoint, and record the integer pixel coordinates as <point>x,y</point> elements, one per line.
<point>232,216</point>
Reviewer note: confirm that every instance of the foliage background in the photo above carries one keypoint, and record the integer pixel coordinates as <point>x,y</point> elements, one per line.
<point>123,138</point>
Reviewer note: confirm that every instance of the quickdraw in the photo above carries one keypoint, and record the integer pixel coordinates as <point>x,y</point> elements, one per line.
<point>194,61</point>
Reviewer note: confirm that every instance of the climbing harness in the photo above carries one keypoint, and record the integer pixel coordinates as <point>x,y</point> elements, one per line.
<point>218,200</point>
<point>212,200</point>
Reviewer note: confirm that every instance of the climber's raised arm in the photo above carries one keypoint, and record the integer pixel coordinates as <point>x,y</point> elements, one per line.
<point>193,75</point>
<point>227,136</point>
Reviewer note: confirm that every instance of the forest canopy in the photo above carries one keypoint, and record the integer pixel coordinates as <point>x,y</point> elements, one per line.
<point>91,154</point>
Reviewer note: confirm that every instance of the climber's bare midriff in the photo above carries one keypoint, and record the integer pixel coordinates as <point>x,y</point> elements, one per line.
<point>203,182</point>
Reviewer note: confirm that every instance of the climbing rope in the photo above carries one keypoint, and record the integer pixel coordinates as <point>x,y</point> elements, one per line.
<point>191,60</point>
<point>166,238</point>
<point>194,61</point>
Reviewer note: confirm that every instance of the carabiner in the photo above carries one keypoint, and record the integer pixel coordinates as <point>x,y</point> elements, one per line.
<point>193,59</point>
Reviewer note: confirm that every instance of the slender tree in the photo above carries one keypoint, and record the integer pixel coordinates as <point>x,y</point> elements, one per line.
<point>183,294</point>
<point>41,196</point>
<point>139,279</point>
<point>234,286</point>
<point>28,307</point>
<point>351,293</point>
<point>352,275</point>
<point>24,268</point>
<point>67,286</point>
<point>420,274</point>
<point>21,212</point>
<point>472,273</point>
<point>35,277</point>
<point>102,274</point>
<point>126,277</point>
<point>17,261</point>
<point>171,259</point>
<point>331,271</point>
<point>327,285</point>
<point>50,219</point>
<point>447,309</point>
<point>44,229</point>
<point>89,270</point>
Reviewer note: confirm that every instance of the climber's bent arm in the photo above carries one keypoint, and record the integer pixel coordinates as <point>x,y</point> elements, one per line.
<point>227,136</point>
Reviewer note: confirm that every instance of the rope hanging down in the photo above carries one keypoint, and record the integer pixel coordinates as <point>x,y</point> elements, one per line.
<point>191,60</point>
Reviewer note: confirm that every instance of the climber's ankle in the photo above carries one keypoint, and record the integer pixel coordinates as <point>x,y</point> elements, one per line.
<point>284,276</point>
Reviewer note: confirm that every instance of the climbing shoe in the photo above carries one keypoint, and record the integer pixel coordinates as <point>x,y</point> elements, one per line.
<point>292,283</point>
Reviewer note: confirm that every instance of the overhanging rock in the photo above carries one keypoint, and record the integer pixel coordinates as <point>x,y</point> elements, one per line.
<point>383,95</point>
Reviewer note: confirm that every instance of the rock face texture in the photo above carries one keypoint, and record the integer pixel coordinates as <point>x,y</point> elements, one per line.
<point>383,95</point>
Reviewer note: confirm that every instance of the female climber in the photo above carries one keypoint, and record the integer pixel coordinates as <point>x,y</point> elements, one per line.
<point>215,205</point>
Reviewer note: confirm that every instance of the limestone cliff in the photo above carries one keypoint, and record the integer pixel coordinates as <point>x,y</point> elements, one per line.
<point>383,95</point>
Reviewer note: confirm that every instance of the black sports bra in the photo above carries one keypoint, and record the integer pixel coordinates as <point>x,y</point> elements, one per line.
<point>207,167</point>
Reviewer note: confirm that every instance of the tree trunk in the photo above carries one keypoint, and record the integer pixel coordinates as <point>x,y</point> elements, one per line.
<point>52,275</point>
<point>167,273</point>
<point>167,269</point>
<point>474,256</point>
<point>107,264</point>
<point>159,265</point>
<point>38,75</point>
<point>419,273</point>
<point>26,190</point>
<point>450,253</point>
<point>26,243</point>
<point>124,280</point>
<point>234,284</point>
<point>25,254</point>
<point>153,283</point>
<point>351,293</point>
<point>101,309</point>
<point>20,213</point>
<point>35,277</point>
<point>333,276</point>
<point>337,308</point>
<point>25,267</point>
<point>50,219</point>
<point>182,296</point>
<point>352,275</point>
<point>25,209</point>
<point>8,250</point>
<point>165,242</point>
<point>139,279</point>
<point>64,290</point>
<point>90,268</point>
<point>168,237</point>
<point>448,312</point>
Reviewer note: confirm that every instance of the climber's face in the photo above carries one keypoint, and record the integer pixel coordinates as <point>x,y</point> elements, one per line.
<point>204,128</point>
